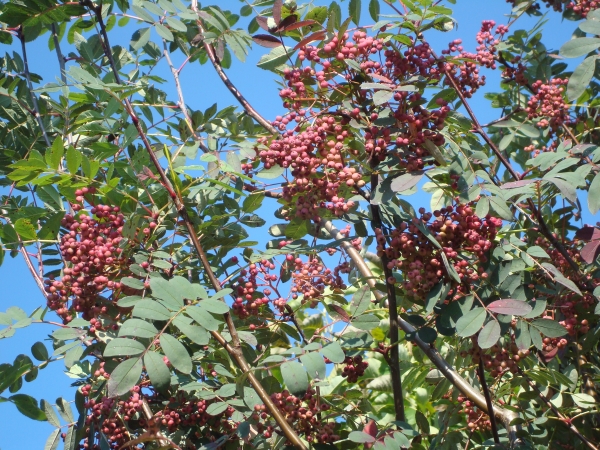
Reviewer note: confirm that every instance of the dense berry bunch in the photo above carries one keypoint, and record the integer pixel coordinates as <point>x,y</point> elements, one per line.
<point>549,104</point>
<point>464,67</point>
<point>311,278</point>
<point>91,248</point>
<point>580,7</point>
<point>354,368</point>
<point>497,360</point>
<point>476,420</point>
<point>315,159</point>
<point>463,237</point>
<point>304,414</point>
<point>249,298</point>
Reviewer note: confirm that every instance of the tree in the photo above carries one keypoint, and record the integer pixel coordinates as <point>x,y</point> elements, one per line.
<point>367,321</point>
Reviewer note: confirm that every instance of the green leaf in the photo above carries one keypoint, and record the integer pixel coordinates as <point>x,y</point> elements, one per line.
<point>124,377</point>
<point>489,335</point>
<point>314,364</point>
<point>549,328</point>
<point>471,322</point>
<point>138,328</point>
<point>450,268</point>
<point>594,200</point>
<point>55,153</point>
<point>149,309</point>
<point>333,351</point>
<point>579,47</point>
<point>361,300</point>
<point>354,8</point>
<point>581,78</point>
<point>159,373</point>
<point>171,291</point>
<point>39,351</point>
<point>28,406</point>
<point>123,347</point>
<point>427,334</point>
<point>366,322</point>
<point>382,96</point>
<point>203,317</point>
<point>50,414</point>
<point>177,353</point>
<point>50,229</point>
<point>252,203</point>
<point>64,409</point>
<point>275,58</point>
<point>53,440</point>
<point>361,437</point>
<point>73,160</point>
<point>214,306</point>
<point>214,409</point>
<point>294,377</point>
<point>522,335</point>
<point>374,9</point>
<point>561,279</point>
<point>194,333</point>
<point>25,229</point>
<point>70,439</point>
<point>164,32</point>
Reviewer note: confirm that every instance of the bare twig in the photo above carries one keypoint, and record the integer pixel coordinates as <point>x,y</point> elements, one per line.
<point>488,401</point>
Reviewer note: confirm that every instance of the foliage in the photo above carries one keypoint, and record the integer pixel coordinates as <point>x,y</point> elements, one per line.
<point>366,321</point>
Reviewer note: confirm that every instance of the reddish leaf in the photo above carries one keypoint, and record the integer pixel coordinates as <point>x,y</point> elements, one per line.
<point>371,428</point>
<point>266,40</point>
<point>343,314</point>
<point>588,233</point>
<point>292,18</point>
<point>302,23</point>
<point>516,184</point>
<point>262,22</point>
<point>220,49</point>
<point>277,11</point>
<point>548,356</point>
<point>510,307</point>
<point>590,251</point>
<point>319,35</point>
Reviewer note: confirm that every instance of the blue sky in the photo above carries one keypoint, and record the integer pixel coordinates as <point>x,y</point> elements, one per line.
<point>203,88</point>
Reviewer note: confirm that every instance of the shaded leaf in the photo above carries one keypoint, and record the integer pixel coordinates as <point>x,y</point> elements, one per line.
<point>123,347</point>
<point>549,328</point>
<point>28,406</point>
<point>266,40</point>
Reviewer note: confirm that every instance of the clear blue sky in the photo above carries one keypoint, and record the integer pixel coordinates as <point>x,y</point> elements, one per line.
<point>203,88</point>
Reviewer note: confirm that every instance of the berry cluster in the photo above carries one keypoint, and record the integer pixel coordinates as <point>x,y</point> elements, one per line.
<point>304,414</point>
<point>311,278</point>
<point>549,104</point>
<point>499,360</point>
<point>248,298</point>
<point>354,368</point>
<point>91,248</point>
<point>476,420</point>
<point>463,237</point>
<point>580,7</point>
<point>464,67</point>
